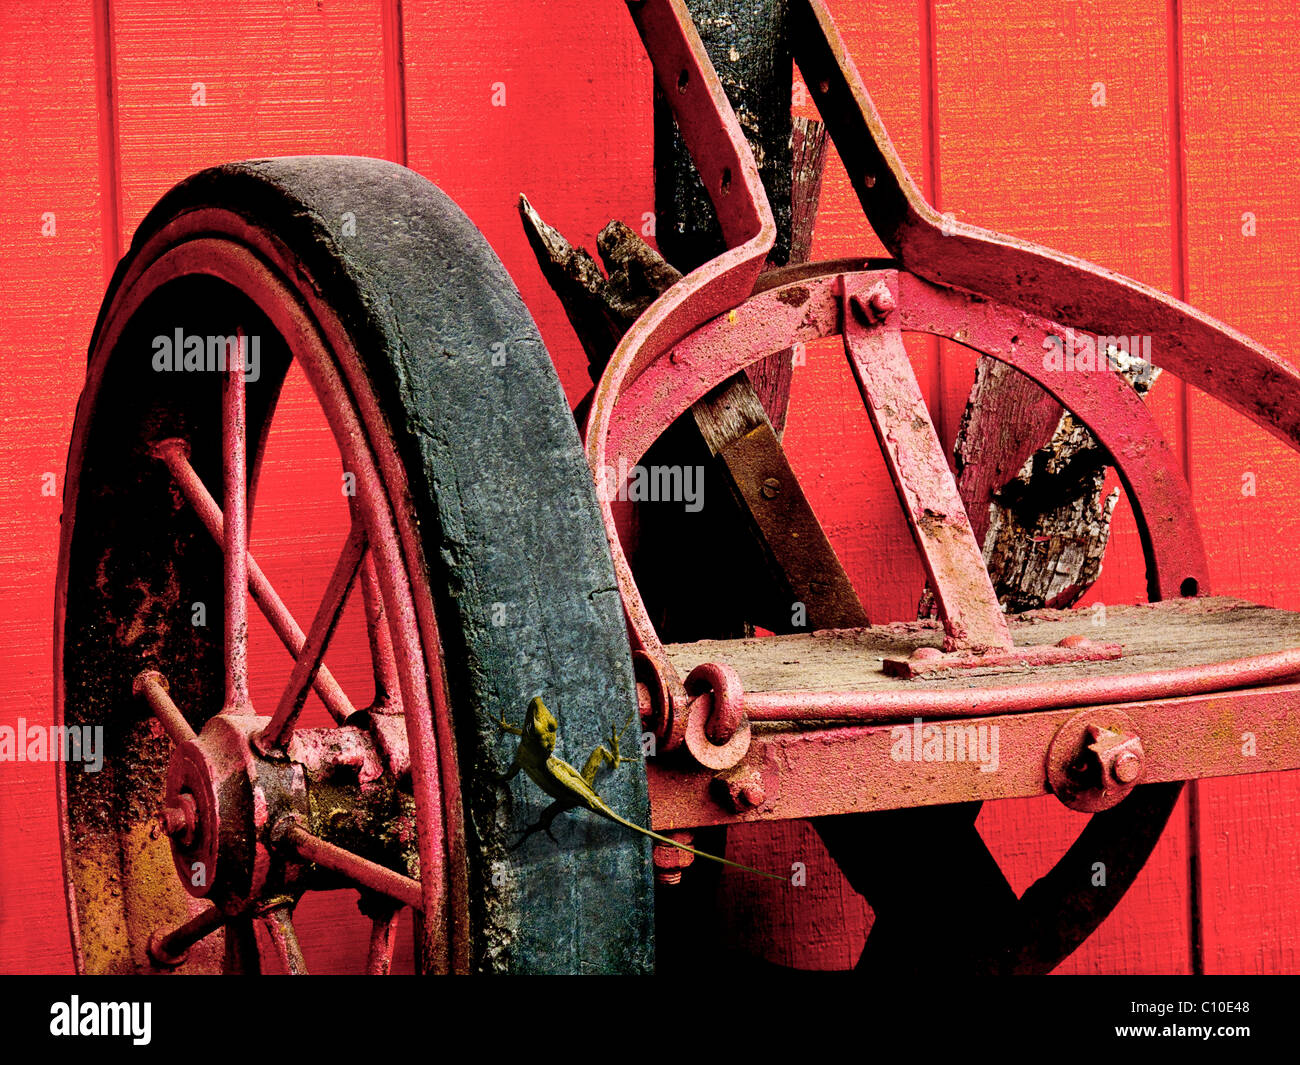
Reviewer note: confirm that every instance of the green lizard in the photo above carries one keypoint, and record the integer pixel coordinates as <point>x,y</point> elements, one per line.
<point>571,789</point>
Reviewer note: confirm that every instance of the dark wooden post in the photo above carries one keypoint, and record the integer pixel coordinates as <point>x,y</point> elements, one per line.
<point>748,46</point>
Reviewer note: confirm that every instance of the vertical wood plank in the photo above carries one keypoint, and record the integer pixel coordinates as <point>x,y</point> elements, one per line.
<point>828,436</point>
<point>834,450</point>
<point>1026,147</point>
<point>552,100</point>
<point>49,287</point>
<point>1240,95</point>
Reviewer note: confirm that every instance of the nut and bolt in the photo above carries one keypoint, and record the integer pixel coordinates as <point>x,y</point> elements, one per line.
<point>1127,767</point>
<point>180,818</point>
<point>741,788</point>
<point>1114,757</point>
<point>876,306</point>
<point>669,861</point>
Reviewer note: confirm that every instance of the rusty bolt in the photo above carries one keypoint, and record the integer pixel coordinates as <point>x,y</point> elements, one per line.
<point>1075,641</point>
<point>923,653</point>
<point>1118,756</point>
<point>875,306</point>
<point>1127,767</point>
<point>882,301</point>
<point>669,861</point>
<point>771,488</point>
<point>740,788</point>
<point>181,818</point>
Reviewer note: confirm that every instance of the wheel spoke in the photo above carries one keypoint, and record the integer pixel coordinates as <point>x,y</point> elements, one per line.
<point>168,949</point>
<point>235,539</point>
<point>972,616</point>
<point>242,952</point>
<point>361,871</point>
<point>278,922</point>
<point>308,661</point>
<point>388,691</point>
<point>383,940</point>
<point>153,686</point>
<point>175,454</point>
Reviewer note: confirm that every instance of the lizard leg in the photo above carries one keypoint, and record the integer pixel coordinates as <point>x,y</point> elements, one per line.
<point>602,755</point>
<point>514,730</point>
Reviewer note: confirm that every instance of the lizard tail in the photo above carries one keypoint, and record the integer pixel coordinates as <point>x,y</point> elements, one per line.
<point>608,812</point>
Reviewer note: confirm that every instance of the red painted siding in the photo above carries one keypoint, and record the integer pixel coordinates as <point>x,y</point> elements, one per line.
<point>993,106</point>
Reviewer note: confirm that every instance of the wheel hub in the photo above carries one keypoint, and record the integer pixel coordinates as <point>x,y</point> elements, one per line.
<point>223,798</point>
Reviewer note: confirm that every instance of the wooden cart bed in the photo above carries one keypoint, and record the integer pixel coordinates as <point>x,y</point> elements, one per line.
<point>1174,634</point>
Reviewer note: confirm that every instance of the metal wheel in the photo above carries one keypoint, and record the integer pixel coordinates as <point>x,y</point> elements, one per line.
<point>458,460</point>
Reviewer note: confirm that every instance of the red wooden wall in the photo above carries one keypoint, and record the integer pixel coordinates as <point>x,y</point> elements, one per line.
<point>1140,134</point>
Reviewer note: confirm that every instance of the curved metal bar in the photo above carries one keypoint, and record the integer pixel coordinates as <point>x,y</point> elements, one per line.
<point>1105,402</point>
<point>1061,288</point>
<point>933,248</point>
<point>807,309</point>
<point>878,708</point>
<point>714,138</point>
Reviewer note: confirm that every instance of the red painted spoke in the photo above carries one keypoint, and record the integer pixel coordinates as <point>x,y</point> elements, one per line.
<point>383,940</point>
<point>972,616</point>
<point>153,686</point>
<point>388,691</point>
<point>175,454</point>
<point>361,871</point>
<point>243,955</point>
<point>168,949</point>
<point>318,638</point>
<point>235,540</point>
<point>278,923</point>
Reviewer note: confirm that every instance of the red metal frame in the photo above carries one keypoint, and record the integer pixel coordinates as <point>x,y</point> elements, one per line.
<point>997,294</point>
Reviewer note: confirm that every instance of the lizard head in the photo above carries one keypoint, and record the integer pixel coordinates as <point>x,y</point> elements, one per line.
<point>541,723</point>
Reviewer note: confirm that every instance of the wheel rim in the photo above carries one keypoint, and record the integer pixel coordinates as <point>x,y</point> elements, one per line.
<point>104,836</point>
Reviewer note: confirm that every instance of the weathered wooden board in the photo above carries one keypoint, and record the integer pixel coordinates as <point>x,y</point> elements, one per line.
<point>832,447</point>
<point>551,100</point>
<point>305,79</point>
<point>1175,634</point>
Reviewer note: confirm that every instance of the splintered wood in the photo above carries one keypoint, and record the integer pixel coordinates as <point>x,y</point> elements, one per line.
<point>1046,524</point>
